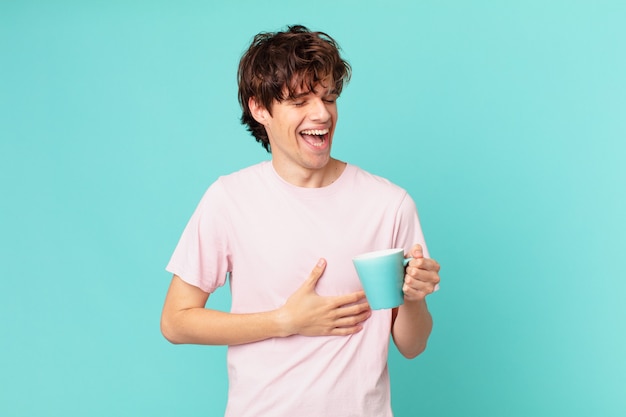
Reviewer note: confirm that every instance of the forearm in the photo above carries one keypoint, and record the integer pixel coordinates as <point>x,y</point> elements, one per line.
<point>186,320</point>
<point>212,327</point>
<point>411,328</point>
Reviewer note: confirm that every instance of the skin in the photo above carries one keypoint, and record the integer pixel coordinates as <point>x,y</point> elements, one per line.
<point>412,322</point>
<point>304,161</point>
<point>293,157</point>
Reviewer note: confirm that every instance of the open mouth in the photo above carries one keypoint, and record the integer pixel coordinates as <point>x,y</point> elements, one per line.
<point>315,137</point>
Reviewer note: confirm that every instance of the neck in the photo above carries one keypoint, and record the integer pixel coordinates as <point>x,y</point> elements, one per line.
<point>311,178</point>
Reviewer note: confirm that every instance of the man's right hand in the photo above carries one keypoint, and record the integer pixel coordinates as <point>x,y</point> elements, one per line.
<point>309,314</point>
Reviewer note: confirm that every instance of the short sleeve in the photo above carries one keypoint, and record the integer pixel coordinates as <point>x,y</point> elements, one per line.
<point>408,230</point>
<point>201,257</point>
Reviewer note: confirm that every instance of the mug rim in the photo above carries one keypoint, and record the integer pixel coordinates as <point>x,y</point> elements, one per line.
<point>378,253</point>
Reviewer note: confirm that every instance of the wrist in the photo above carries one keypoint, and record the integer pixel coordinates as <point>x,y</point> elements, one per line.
<point>414,306</point>
<point>283,323</point>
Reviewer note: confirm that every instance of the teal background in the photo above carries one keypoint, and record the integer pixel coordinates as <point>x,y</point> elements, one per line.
<point>504,120</point>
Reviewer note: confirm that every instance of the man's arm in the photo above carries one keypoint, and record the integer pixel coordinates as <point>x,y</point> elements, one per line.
<point>412,322</point>
<point>186,320</point>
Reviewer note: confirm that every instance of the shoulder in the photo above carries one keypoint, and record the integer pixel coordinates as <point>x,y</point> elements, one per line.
<point>245,180</point>
<point>252,172</point>
<point>228,186</point>
<point>370,191</point>
<point>373,182</point>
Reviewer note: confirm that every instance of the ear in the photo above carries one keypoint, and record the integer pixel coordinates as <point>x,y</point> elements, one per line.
<point>258,111</point>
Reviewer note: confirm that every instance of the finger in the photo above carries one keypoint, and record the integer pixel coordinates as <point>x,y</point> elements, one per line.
<point>416,289</point>
<point>417,251</point>
<point>345,331</point>
<point>413,295</point>
<point>316,273</point>
<point>353,321</point>
<point>426,286</point>
<point>353,310</point>
<point>421,275</point>
<point>414,285</point>
<point>425,264</point>
<point>431,265</point>
<point>347,299</point>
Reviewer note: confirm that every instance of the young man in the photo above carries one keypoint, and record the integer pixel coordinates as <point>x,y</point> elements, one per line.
<point>302,339</point>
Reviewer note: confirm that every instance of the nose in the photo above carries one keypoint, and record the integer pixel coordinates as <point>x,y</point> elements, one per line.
<point>319,111</point>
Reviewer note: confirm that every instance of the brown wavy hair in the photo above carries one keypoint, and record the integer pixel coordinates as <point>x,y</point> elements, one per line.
<point>278,65</point>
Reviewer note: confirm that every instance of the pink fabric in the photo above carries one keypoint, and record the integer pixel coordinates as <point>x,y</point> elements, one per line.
<point>269,234</point>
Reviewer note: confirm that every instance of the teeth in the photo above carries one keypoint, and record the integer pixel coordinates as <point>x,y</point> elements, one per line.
<point>316,132</point>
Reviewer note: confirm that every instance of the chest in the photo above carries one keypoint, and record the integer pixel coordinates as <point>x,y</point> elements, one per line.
<point>276,241</point>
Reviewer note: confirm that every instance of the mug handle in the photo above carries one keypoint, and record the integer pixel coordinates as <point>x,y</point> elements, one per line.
<point>406,261</point>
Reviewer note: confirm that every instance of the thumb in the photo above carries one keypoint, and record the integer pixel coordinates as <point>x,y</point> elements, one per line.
<point>417,251</point>
<point>316,273</point>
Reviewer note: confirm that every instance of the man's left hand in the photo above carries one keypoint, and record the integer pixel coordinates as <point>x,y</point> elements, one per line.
<point>422,276</point>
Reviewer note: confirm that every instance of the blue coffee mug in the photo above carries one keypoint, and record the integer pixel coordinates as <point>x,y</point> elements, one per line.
<point>382,276</point>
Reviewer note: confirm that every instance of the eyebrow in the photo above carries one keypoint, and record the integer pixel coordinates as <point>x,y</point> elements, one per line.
<point>306,93</point>
<point>300,95</point>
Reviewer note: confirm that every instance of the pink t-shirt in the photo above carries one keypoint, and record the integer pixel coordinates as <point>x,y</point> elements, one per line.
<point>269,235</point>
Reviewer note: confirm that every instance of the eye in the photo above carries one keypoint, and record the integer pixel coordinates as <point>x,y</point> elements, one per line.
<point>298,103</point>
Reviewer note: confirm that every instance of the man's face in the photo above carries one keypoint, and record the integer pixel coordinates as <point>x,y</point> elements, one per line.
<point>300,130</point>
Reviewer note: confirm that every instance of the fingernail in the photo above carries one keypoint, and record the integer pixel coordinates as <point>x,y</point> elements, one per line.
<point>321,262</point>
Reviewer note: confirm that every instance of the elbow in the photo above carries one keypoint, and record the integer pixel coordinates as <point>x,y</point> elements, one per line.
<point>168,330</point>
<point>414,352</point>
